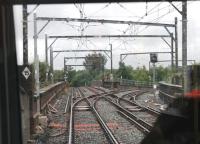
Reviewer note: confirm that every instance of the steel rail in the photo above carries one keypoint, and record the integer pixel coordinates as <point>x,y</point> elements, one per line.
<point>149,110</point>
<point>67,104</point>
<point>160,112</point>
<point>128,94</point>
<point>139,120</point>
<point>145,128</point>
<point>83,98</point>
<point>106,129</point>
<point>71,130</point>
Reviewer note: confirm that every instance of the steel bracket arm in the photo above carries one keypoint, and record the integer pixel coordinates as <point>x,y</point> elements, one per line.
<point>176,8</point>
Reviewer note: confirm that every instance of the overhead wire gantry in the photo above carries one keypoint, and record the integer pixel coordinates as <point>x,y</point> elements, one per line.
<point>102,21</point>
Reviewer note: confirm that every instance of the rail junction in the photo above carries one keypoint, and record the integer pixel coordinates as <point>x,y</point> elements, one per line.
<point>101,115</point>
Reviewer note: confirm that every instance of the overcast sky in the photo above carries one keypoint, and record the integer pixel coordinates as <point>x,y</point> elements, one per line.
<point>147,12</point>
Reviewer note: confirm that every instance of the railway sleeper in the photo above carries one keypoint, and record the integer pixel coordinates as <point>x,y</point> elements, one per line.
<point>82,108</point>
<point>138,125</point>
<point>145,124</point>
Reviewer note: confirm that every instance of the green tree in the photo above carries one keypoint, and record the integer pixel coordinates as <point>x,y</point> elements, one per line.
<point>163,74</point>
<point>70,75</point>
<point>81,78</point>
<point>141,74</point>
<point>124,71</point>
<point>42,69</point>
<point>42,73</point>
<point>58,75</point>
<point>95,62</point>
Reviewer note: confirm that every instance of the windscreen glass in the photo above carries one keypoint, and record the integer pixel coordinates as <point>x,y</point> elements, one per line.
<point>108,72</point>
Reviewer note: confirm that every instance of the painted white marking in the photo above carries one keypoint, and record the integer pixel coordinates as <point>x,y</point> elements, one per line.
<point>26,73</point>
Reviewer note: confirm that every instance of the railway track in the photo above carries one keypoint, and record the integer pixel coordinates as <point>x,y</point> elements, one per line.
<point>128,120</point>
<point>91,115</point>
<point>123,130</point>
<point>134,117</point>
<point>85,125</point>
<point>142,112</point>
<point>58,119</point>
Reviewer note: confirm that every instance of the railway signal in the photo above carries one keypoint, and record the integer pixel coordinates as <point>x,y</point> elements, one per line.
<point>153,57</point>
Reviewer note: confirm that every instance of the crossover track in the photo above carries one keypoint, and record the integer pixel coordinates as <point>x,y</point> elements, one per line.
<point>91,102</point>
<point>101,116</point>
